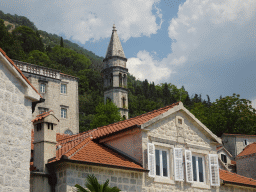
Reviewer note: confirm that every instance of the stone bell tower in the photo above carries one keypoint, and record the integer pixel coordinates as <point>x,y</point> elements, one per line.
<point>115,75</point>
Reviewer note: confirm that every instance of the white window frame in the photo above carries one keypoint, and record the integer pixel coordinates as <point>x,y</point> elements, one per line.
<point>42,88</point>
<point>197,167</point>
<point>62,114</point>
<point>161,162</point>
<point>63,91</point>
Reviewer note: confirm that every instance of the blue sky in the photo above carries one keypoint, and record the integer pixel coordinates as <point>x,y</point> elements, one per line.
<point>206,45</point>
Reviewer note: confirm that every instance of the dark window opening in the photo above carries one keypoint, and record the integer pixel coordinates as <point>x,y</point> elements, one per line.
<point>38,127</point>
<point>123,101</point>
<point>223,158</point>
<point>50,126</point>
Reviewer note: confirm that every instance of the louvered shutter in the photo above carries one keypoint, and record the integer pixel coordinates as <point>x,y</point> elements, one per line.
<point>214,169</point>
<point>178,164</point>
<point>189,167</point>
<point>151,160</point>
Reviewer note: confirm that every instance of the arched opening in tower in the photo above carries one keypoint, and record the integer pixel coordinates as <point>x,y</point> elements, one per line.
<point>120,80</point>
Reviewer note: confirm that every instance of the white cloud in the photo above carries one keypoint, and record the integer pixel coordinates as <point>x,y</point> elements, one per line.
<point>212,38</point>
<point>84,20</point>
<point>145,67</point>
<point>254,103</point>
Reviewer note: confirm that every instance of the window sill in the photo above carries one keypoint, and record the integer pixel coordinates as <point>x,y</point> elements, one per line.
<point>64,94</point>
<point>200,185</point>
<point>163,180</point>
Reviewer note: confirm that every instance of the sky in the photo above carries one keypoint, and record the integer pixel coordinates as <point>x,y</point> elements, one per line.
<point>208,46</point>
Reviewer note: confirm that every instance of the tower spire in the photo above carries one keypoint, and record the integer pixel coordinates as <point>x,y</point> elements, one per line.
<point>115,74</point>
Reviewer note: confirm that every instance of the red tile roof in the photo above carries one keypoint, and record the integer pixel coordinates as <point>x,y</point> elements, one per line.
<point>42,116</point>
<point>233,162</point>
<point>84,147</point>
<point>234,178</point>
<point>248,150</point>
<point>1,50</point>
<point>239,135</point>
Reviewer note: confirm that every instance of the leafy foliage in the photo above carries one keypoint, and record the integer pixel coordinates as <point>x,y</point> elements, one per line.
<point>105,114</point>
<point>93,185</point>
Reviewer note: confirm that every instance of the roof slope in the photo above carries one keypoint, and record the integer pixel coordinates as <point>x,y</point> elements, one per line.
<point>234,178</point>
<point>23,76</point>
<point>114,47</point>
<point>248,150</point>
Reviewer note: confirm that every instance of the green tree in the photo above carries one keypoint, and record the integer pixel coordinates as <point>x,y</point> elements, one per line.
<point>30,40</point>
<point>61,42</point>
<point>105,114</point>
<point>39,58</point>
<point>93,185</point>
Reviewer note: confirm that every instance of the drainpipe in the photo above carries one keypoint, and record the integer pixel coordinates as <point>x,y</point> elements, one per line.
<point>35,103</point>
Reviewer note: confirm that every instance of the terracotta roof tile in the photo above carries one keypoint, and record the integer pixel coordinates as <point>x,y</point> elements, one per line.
<point>237,179</point>
<point>42,116</point>
<point>139,120</point>
<point>233,162</point>
<point>248,150</point>
<point>97,153</point>
<point>239,135</point>
<point>25,78</point>
<point>218,148</point>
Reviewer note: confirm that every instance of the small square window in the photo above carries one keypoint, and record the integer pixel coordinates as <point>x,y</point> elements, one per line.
<point>42,88</point>
<point>180,121</point>
<point>63,88</point>
<point>63,113</point>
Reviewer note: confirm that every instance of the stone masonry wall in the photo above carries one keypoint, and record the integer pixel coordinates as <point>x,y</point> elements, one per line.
<point>70,174</point>
<point>247,166</point>
<point>54,100</point>
<point>15,133</point>
<point>165,134</point>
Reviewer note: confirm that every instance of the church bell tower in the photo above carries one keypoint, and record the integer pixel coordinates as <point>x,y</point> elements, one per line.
<point>115,75</point>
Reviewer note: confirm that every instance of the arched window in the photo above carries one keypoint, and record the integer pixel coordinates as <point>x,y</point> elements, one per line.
<point>123,102</point>
<point>68,132</point>
<point>106,80</point>
<point>124,117</point>
<point>124,81</point>
<point>108,99</point>
<point>120,80</point>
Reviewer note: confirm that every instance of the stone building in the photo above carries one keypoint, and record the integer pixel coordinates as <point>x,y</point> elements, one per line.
<point>246,161</point>
<point>115,75</point>
<point>164,150</point>
<point>235,143</point>
<point>60,92</point>
<point>17,96</point>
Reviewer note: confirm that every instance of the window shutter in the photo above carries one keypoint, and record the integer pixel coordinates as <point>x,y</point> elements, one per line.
<point>151,160</point>
<point>188,164</point>
<point>214,170</point>
<point>178,164</point>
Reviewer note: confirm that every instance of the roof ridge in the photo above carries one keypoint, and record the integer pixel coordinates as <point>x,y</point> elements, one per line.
<point>25,78</point>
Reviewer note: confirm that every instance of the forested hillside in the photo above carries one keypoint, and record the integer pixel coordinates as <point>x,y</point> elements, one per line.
<point>26,43</point>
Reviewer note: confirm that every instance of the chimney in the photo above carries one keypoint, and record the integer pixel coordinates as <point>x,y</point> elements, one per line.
<point>44,139</point>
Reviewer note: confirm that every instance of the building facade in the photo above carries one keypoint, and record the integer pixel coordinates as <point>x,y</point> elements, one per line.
<point>115,75</point>
<point>60,92</point>
<point>17,96</point>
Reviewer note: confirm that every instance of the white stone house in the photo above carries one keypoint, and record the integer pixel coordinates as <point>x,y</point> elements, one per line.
<point>164,150</point>
<point>17,96</point>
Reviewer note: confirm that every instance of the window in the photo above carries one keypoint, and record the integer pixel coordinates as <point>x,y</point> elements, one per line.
<point>224,158</point>
<point>68,132</point>
<point>63,88</point>
<point>42,110</point>
<point>123,102</point>
<point>162,163</point>
<point>42,88</point>
<point>63,113</point>
<point>245,142</point>
<point>50,126</point>
<point>198,168</point>
<point>38,127</point>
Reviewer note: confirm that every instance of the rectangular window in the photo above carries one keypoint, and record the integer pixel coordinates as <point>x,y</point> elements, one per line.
<point>63,113</point>
<point>42,110</point>
<point>198,168</point>
<point>224,158</point>
<point>42,88</point>
<point>245,142</point>
<point>63,88</point>
<point>162,163</point>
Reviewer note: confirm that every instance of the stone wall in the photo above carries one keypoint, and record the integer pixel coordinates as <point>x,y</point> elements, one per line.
<point>247,166</point>
<point>240,143</point>
<point>70,174</point>
<point>15,133</point>
<point>54,99</point>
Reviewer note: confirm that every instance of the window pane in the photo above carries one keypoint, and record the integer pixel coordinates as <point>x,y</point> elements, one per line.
<point>200,167</point>
<point>157,154</point>
<point>164,157</point>
<point>194,168</point>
